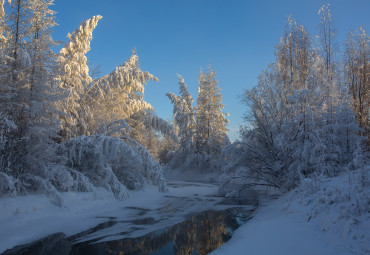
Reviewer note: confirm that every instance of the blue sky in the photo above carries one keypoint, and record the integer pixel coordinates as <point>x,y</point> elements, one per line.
<point>236,37</point>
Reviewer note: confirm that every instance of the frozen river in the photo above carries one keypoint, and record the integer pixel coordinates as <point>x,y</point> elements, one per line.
<point>189,219</point>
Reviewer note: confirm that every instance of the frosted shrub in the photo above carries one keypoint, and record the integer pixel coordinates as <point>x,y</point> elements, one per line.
<point>35,183</point>
<point>60,177</point>
<point>113,164</point>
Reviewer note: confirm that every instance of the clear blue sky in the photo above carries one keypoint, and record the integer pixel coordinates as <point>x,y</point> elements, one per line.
<point>236,37</point>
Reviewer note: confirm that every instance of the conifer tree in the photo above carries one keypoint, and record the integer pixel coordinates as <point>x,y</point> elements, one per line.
<point>29,88</point>
<point>211,132</point>
<point>119,96</point>
<point>183,113</point>
<point>75,77</point>
<point>43,124</point>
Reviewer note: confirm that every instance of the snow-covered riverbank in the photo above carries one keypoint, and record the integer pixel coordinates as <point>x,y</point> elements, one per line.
<point>327,217</point>
<point>317,218</point>
<point>25,219</point>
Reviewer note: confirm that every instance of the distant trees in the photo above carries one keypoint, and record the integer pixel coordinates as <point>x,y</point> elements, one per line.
<point>61,129</point>
<point>202,129</point>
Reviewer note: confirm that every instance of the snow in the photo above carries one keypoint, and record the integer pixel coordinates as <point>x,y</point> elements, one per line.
<point>27,218</point>
<point>273,231</point>
<point>24,219</point>
<point>301,222</point>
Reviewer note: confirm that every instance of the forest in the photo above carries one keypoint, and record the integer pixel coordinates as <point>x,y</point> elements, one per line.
<point>63,129</point>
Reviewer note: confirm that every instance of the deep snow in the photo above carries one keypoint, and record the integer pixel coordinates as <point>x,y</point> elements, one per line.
<point>274,230</point>
<point>326,216</point>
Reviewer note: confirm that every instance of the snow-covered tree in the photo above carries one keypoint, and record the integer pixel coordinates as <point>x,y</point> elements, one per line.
<point>6,91</point>
<point>327,39</point>
<point>211,132</point>
<point>339,141</point>
<point>118,95</point>
<point>299,123</point>
<point>294,56</point>
<point>73,56</point>
<point>31,85</point>
<point>75,77</point>
<point>30,93</point>
<point>43,123</point>
<point>115,105</point>
<point>183,115</point>
<point>3,26</point>
<point>331,82</point>
<point>356,76</point>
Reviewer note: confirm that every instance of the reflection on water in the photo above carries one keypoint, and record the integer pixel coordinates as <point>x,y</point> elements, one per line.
<point>200,234</point>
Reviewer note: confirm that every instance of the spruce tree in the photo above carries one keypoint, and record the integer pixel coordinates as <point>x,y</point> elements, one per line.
<point>211,132</point>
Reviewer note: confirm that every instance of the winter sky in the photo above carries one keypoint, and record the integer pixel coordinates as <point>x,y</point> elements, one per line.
<point>236,37</point>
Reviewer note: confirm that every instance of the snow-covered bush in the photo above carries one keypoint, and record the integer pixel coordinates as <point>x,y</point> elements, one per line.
<point>349,191</point>
<point>340,205</point>
<point>113,163</point>
<point>87,162</point>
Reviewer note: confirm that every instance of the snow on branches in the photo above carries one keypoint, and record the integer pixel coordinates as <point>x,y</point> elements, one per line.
<point>72,56</point>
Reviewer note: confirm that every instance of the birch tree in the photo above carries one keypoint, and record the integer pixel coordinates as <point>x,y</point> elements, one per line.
<point>327,37</point>
<point>294,56</point>
<point>357,78</point>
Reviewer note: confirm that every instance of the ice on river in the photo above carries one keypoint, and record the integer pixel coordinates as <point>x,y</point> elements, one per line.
<point>25,219</point>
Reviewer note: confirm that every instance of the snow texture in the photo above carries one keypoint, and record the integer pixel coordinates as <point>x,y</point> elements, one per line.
<point>328,216</point>
<point>24,219</point>
<point>113,164</point>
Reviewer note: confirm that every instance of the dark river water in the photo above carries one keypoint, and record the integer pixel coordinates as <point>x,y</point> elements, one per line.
<point>200,233</point>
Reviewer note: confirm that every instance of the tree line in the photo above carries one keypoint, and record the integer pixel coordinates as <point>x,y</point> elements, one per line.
<point>309,112</point>
<point>61,129</point>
